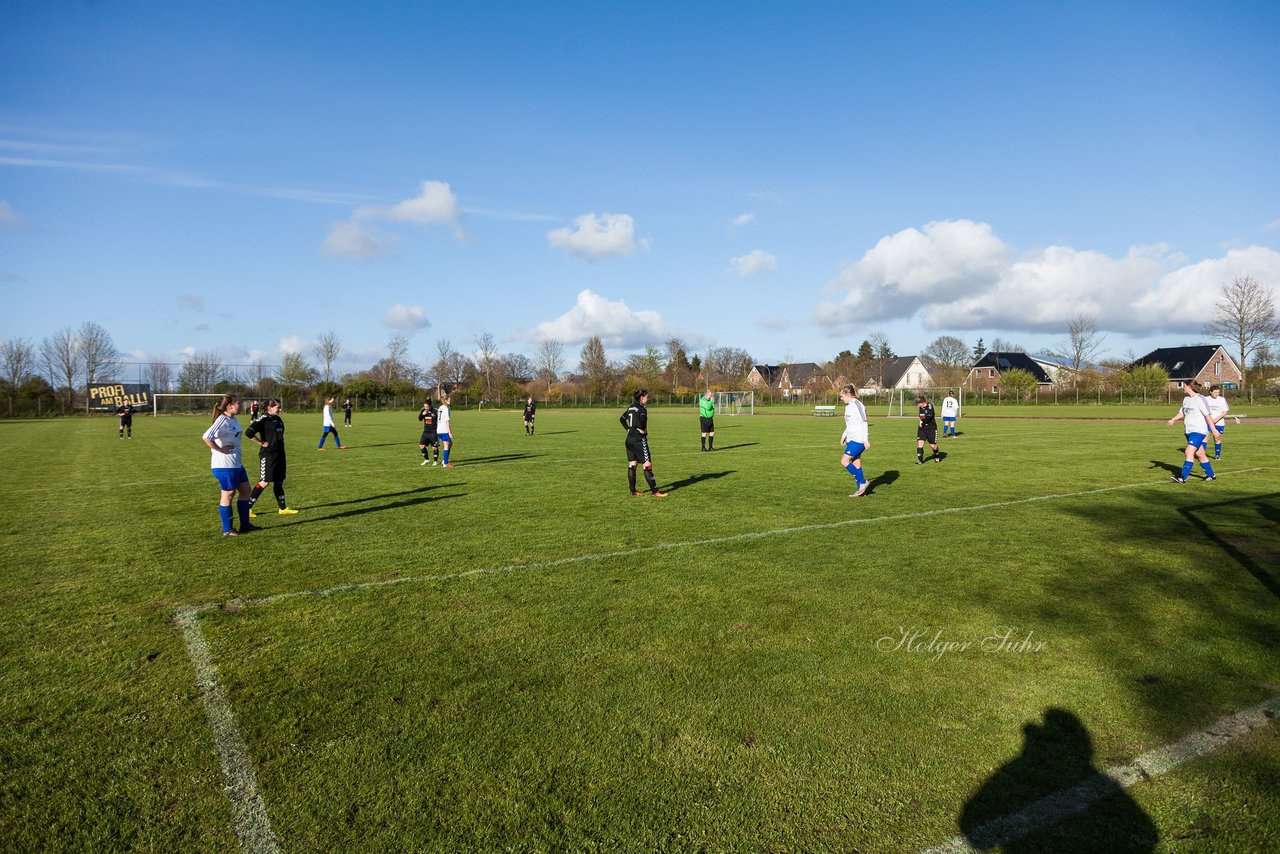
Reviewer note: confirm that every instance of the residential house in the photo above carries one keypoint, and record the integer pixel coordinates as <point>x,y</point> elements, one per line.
<point>791,379</point>
<point>985,374</point>
<point>906,372</point>
<point>1208,363</point>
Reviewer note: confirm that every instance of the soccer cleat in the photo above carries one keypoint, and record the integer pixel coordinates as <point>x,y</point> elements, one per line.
<point>862,490</point>
<point>919,462</point>
<point>659,494</point>
<point>285,511</point>
<point>253,515</point>
<point>937,459</point>
<point>1212,477</point>
<point>320,449</point>
<point>424,462</point>
<point>244,529</point>
<point>1217,456</point>
<point>446,465</point>
<point>343,447</point>
<point>435,462</point>
<point>1177,479</point>
<point>637,495</point>
<point>229,534</point>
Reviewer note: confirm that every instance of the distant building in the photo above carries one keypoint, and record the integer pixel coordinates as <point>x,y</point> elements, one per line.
<point>790,379</point>
<point>1208,363</point>
<point>985,375</point>
<point>906,372</point>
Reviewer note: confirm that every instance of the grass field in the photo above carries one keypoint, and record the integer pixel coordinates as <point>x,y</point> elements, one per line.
<point>514,654</point>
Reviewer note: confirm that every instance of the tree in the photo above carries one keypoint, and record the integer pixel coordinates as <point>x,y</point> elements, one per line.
<point>99,358</point>
<point>159,375</point>
<point>979,350</point>
<point>451,367</point>
<point>1083,341</point>
<point>295,372</point>
<point>487,362</point>
<point>327,349</point>
<point>881,354</point>
<point>950,355</point>
<point>201,373</point>
<point>594,366</point>
<point>844,366</point>
<point>1017,383</point>
<point>395,367</point>
<point>999,345</point>
<point>677,364</point>
<point>518,367</point>
<point>60,361</point>
<point>727,365</point>
<point>648,366</point>
<point>549,360</point>
<point>1245,315</point>
<point>18,360</point>
<point>1146,380</point>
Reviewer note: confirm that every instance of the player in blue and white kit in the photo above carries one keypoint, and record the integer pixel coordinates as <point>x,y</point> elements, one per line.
<point>855,439</point>
<point>444,428</point>
<point>223,439</point>
<point>1218,410</point>
<point>1197,422</point>
<point>950,412</point>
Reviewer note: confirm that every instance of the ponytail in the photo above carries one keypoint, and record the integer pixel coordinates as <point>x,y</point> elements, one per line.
<point>220,408</point>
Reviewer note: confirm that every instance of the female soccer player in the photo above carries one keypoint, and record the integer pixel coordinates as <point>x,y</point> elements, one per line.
<point>223,439</point>
<point>927,431</point>
<point>636,422</point>
<point>346,413</point>
<point>1197,422</point>
<point>126,419</point>
<point>855,438</point>
<point>950,412</point>
<point>706,420</point>
<point>268,434</point>
<point>444,428</point>
<point>429,438</point>
<point>1218,410</point>
<point>530,410</point>
<point>328,426</point>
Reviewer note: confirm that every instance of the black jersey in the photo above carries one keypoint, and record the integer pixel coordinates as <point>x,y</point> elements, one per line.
<point>926,416</point>
<point>125,412</point>
<point>270,429</point>
<point>529,409</point>
<point>346,409</point>
<point>635,420</point>
<point>428,418</point>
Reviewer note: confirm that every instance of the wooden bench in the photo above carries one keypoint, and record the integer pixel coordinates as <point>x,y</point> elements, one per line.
<point>824,410</point>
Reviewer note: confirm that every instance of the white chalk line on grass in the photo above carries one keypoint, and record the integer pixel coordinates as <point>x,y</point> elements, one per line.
<point>1065,803</point>
<point>248,810</point>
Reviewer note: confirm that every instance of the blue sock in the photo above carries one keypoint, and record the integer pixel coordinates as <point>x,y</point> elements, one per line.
<point>1217,449</point>
<point>1208,468</point>
<point>1186,469</point>
<point>852,469</point>
<point>224,510</point>
<point>446,456</point>
<point>243,508</point>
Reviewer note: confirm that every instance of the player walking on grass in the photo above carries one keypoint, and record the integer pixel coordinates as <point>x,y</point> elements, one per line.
<point>267,433</point>
<point>429,440</point>
<point>636,422</point>
<point>1197,422</point>
<point>950,412</point>
<point>1218,410</point>
<point>927,431</point>
<point>328,426</point>
<point>126,419</point>
<point>855,439</point>
<point>706,420</point>
<point>223,439</point>
<point>444,428</point>
<point>530,408</point>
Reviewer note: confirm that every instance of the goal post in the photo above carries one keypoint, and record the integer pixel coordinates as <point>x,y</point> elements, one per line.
<point>902,401</point>
<point>175,403</point>
<point>735,402</point>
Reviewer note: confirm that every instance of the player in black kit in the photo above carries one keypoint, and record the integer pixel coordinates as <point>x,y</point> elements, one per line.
<point>268,434</point>
<point>529,408</point>
<point>429,438</point>
<point>636,422</point>
<point>126,419</point>
<point>927,431</point>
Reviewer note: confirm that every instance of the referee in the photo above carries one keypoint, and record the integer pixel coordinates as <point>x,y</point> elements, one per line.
<point>706,419</point>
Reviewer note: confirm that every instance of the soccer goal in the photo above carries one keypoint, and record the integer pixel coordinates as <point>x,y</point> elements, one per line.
<point>902,401</point>
<point>173,403</point>
<point>735,403</point>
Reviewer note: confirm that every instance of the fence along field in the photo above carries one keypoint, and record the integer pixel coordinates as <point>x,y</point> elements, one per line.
<point>728,690</point>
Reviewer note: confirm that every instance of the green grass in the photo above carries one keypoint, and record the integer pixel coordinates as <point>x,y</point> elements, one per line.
<point>699,672</point>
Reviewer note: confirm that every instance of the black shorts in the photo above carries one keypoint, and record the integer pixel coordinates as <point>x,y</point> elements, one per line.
<point>429,438</point>
<point>638,449</point>
<point>126,420</point>
<point>708,424</point>
<point>271,468</point>
<point>928,434</point>
<point>528,419</point>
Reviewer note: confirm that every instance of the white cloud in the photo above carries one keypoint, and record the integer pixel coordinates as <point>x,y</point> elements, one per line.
<point>960,276</point>
<point>294,344</point>
<point>617,325</point>
<point>407,318</point>
<point>756,261</point>
<point>596,237</point>
<point>355,240</point>
<point>743,219</point>
<point>9,218</point>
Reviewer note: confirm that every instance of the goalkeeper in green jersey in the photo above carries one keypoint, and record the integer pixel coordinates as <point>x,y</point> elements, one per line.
<point>706,418</point>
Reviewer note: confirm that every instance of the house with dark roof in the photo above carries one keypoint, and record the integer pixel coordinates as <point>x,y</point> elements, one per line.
<point>985,374</point>
<point>906,372</point>
<point>1210,364</point>
<point>790,379</point>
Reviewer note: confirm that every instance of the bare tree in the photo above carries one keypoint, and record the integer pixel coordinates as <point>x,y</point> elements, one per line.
<point>999,345</point>
<point>518,366</point>
<point>1083,343</point>
<point>881,353</point>
<point>18,359</point>
<point>549,360</point>
<point>487,361</point>
<point>951,359</point>
<point>200,373</point>
<point>1245,315</point>
<point>160,376</point>
<point>327,349</point>
<point>60,361</point>
<point>727,365</point>
<point>450,368</point>
<point>99,358</point>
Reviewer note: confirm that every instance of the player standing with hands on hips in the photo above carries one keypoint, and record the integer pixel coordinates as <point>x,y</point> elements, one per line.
<point>126,419</point>
<point>223,439</point>
<point>267,433</point>
<point>706,420</point>
<point>636,422</point>
<point>1198,424</point>
<point>855,438</point>
<point>428,440</point>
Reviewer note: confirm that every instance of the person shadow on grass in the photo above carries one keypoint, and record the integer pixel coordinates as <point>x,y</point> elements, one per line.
<point>1051,798</point>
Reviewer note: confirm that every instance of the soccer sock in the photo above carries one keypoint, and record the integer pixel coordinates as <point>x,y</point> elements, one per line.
<point>1208,468</point>
<point>278,489</point>
<point>920,454</point>
<point>862,478</point>
<point>336,440</point>
<point>426,452</point>
<point>243,508</point>
<point>224,510</point>
<point>253,496</point>
<point>649,479</point>
<point>1217,449</point>
<point>704,441</point>
<point>935,451</point>
<point>1186,469</point>
<point>711,442</point>
<point>852,469</point>
<point>446,456</point>
<point>631,477</point>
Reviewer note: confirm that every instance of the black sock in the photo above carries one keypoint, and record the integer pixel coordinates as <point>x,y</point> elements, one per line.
<point>704,443</point>
<point>649,479</point>
<point>278,489</point>
<point>253,496</point>
<point>631,477</point>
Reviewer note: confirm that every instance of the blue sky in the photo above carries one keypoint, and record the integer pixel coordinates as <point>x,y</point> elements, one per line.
<point>784,178</point>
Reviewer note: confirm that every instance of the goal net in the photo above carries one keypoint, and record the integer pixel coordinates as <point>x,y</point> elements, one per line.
<point>902,401</point>
<point>735,402</point>
<point>173,403</point>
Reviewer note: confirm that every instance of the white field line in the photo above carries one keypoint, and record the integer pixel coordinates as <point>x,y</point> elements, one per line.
<point>1065,803</point>
<point>248,810</point>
